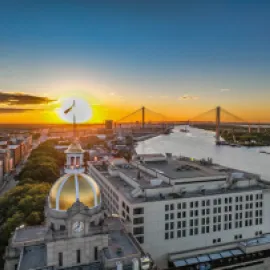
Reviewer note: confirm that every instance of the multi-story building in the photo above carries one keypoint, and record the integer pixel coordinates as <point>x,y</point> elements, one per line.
<point>179,209</point>
<point>15,150</point>
<point>78,233</point>
<point>7,159</point>
<point>108,124</point>
<point>1,172</point>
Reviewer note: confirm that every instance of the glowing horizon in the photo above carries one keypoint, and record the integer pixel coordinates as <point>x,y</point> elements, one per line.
<point>180,60</point>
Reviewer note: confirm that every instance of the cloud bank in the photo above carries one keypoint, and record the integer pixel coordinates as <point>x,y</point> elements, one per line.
<point>10,98</point>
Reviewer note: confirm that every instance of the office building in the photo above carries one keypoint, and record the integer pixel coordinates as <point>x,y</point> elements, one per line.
<point>180,209</point>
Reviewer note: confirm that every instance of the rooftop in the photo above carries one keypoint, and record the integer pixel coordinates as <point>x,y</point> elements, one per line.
<point>33,257</point>
<point>167,179</point>
<point>13,146</point>
<point>25,235</point>
<point>120,244</point>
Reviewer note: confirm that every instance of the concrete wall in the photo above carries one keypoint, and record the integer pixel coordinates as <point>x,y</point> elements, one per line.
<point>68,247</point>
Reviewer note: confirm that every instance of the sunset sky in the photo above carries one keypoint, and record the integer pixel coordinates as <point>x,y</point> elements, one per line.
<point>178,58</point>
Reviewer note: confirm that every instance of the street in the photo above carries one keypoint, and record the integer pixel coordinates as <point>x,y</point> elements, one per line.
<point>10,182</point>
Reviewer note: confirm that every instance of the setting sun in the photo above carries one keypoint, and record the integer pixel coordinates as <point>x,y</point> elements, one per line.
<point>74,107</point>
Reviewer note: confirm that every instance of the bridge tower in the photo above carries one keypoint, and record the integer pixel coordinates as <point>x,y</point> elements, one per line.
<point>218,125</point>
<point>143,116</point>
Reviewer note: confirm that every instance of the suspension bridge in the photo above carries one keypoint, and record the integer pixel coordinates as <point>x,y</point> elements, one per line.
<point>148,120</point>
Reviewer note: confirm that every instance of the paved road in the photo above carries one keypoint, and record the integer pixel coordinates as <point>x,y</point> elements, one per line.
<point>10,182</point>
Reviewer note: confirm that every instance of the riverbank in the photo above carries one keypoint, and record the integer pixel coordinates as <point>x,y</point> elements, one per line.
<point>241,136</point>
<point>199,144</point>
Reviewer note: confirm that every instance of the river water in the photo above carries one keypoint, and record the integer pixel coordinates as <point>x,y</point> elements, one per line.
<point>199,144</point>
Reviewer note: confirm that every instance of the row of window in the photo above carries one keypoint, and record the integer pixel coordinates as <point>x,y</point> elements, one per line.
<point>195,213</point>
<point>205,228</point>
<point>218,201</point>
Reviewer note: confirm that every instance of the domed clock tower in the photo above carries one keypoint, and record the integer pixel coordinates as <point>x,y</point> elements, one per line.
<point>75,214</point>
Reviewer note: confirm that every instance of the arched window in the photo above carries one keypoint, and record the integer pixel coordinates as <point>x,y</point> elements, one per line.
<point>72,161</point>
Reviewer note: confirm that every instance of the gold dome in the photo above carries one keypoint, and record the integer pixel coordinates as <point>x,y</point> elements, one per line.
<point>75,147</point>
<point>72,187</point>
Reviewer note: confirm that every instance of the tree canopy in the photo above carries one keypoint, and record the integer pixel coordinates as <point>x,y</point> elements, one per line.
<point>24,204</point>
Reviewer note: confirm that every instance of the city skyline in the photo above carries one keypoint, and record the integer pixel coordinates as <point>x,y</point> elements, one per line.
<point>179,59</point>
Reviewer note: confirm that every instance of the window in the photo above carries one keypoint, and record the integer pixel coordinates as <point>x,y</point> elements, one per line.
<point>172,206</point>
<point>78,256</point>
<point>140,239</point>
<point>60,259</point>
<point>184,205</point>
<point>191,205</point>
<point>196,204</point>
<point>62,227</point>
<point>172,225</point>
<point>138,211</point>
<point>96,253</point>
<point>203,221</point>
<point>178,234</point>
<point>172,216</point>
<point>166,235</point>
<point>166,216</point>
<point>190,231</point>
<point>214,241</point>
<point>166,226</point>
<point>166,207</point>
<point>139,220</point>
<point>171,235</point>
<point>179,215</point>
<point>138,230</point>
<point>179,206</point>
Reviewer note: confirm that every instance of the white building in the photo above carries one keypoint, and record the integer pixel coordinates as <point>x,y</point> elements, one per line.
<point>77,234</point>
<point>181,209</point>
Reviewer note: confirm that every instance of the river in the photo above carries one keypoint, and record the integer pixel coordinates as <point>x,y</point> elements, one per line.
<point>199,144</point>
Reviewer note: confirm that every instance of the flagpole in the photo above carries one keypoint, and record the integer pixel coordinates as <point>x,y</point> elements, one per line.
<point>74,122</point>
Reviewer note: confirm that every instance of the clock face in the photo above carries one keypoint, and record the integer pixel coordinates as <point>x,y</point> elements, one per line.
<point>77,226</point>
